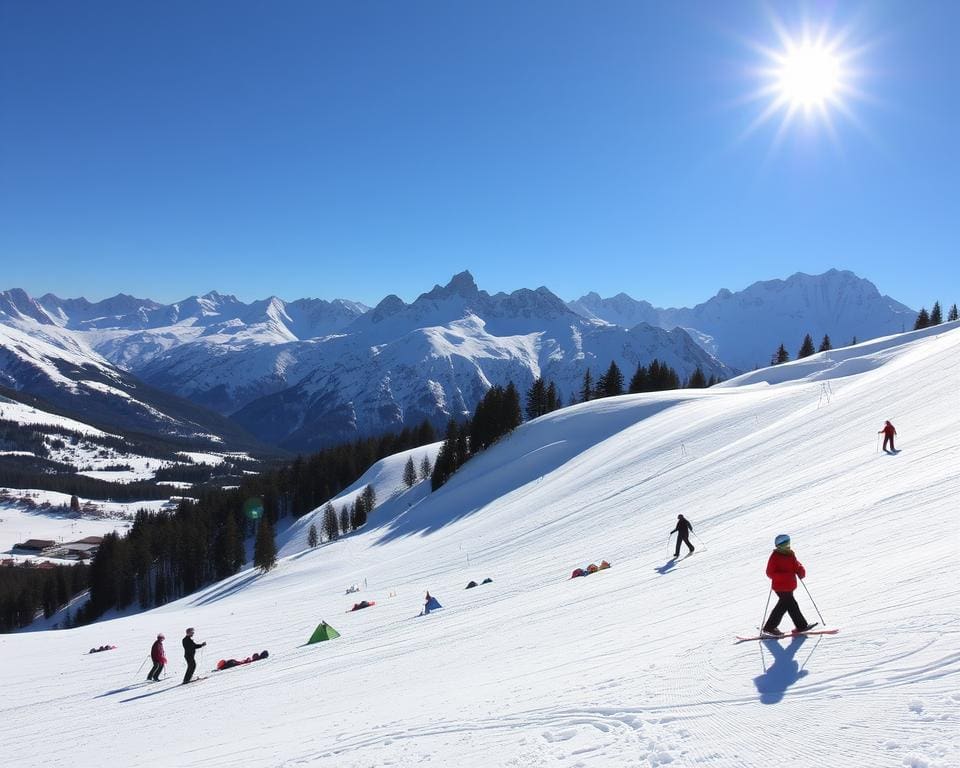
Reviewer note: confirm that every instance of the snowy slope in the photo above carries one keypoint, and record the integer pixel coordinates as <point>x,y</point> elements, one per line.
<point>634,666</point>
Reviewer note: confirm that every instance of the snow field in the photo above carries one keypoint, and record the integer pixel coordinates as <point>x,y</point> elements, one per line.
<point>633,666</point>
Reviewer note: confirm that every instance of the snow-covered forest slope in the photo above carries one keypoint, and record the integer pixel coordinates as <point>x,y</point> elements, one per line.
<point>631,666</point>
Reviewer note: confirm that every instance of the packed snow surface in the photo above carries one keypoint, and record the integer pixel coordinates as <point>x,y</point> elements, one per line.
<point>632,666</point>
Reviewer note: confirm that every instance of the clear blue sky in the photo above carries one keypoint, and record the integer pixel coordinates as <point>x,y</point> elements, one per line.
<point>354,149</point>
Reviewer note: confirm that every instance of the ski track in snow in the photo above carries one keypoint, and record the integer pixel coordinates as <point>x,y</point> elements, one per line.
<point>631,666</point>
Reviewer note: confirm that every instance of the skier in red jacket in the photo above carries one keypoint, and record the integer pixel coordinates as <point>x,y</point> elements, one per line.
<point>783,569</point>
<point>888,432</point>
<point>159,659</point>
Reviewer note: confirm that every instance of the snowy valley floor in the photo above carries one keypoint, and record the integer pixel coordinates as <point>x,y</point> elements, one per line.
<point>633,666</point>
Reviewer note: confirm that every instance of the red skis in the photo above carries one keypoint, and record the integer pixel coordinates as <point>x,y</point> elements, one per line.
<point>789,635</point>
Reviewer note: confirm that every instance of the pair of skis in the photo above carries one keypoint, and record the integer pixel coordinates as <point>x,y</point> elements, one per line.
<point>788,636</point>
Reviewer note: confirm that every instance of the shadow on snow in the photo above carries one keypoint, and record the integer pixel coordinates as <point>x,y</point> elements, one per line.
<point>772,685</point>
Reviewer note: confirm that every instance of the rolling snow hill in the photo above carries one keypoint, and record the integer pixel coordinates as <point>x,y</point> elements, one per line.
<point>633,666</point>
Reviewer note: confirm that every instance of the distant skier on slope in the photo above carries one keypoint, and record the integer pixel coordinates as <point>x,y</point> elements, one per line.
<point>430,604</point>
<point>158,657</point>
<point>783,569</point>
<point>683,535</point>
<point>888,432</point>
<point>189,649</point>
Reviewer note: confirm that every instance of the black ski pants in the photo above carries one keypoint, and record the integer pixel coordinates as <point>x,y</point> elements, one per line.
<point>786,604</point>
<point>191,666</point>
<point>888,439</point>
<point>155,671</point>
<point>683,538</point>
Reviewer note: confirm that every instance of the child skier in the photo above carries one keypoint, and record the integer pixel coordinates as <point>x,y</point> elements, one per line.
<point>783,569</point>
<point>683,534</point>
<point>158,657</point>
<point>888,432</point>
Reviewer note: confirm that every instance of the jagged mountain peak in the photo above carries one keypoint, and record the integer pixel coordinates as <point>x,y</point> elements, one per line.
<point>461,284</point>
<point>17,304</point>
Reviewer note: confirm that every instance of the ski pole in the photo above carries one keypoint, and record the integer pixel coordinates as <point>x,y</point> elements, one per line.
<point>141,666</point>
<point>669,535</point>
<point>814,603</point>
<point>700,540</point>
<point>763,621</point>
<point>878,443</point>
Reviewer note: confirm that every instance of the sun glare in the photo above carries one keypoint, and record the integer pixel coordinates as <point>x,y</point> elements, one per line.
<point>808,76</point>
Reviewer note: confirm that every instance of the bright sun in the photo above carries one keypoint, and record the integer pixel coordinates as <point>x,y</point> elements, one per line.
<point>809,76</point>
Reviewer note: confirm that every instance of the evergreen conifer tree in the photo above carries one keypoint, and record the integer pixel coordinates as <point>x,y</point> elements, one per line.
<point>312,538</point>
<point>265,547</point>
<point>806,349</point>
<point>358,515</point>
<point>536,399</point>
<point>697,379</point>
<point>369,497</point>
<point>640,381</point>
<point>345,519</point>
<point>331,527</point>
<point>923,319</point>
<point>952,315</point>
<point>781,356</point>
<point>586,392</point>
<point>825,345</point>
<point>425,467</point>
<point>74,503</point>
<point>936,314</point>
<point>512,415</point>
<point>611,383</point>
<point>409,473</point>
<point>553,400</point>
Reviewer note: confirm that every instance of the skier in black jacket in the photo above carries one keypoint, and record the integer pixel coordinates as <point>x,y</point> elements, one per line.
<point>189,649</point>
<point>683,534</point>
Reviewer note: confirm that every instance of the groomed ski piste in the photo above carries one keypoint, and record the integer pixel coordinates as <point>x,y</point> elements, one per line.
<point>632,666</point>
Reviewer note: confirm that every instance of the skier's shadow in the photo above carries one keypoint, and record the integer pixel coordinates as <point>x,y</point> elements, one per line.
<point>784,672</point>
<point>667,566</point>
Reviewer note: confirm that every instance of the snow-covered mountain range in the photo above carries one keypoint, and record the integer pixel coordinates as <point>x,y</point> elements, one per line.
<point>310,372</point>
<point>51,363</point>
<point>746,327</point>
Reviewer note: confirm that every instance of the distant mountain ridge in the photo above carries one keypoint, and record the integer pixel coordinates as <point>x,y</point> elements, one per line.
<point>744,328</point>
<point>311,372</point>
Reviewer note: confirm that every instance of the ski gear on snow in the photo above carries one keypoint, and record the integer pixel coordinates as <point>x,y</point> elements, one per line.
<point>764,636</point>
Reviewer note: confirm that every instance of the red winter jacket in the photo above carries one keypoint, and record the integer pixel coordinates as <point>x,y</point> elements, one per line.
<point>783,568</point>
<point>157,655</point>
